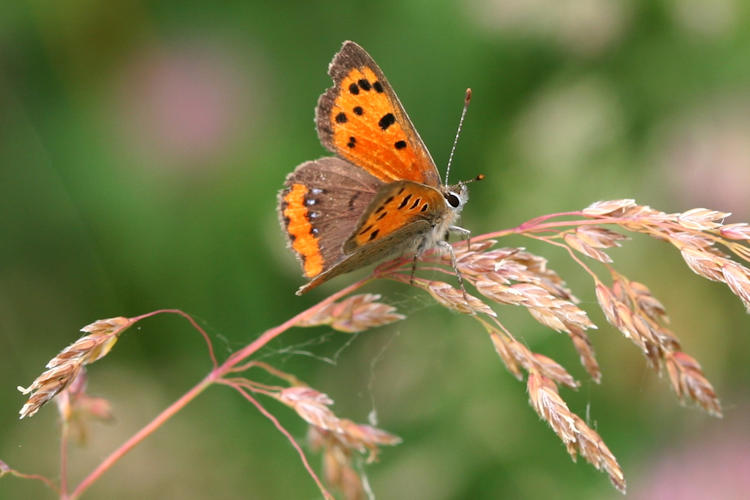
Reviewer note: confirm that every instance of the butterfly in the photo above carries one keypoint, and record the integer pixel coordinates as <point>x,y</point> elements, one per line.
<point>380,196</point>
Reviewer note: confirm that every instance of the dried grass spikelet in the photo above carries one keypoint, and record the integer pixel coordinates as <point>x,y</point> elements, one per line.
<point>338,469</point>
<point>582,345</point>
<point>354,314</point>
<point>716,267</point>
<point>514,276</point>
<point>696,233</point>
<point>590,240</point>
<point>612,208</point>
<point>455,299</point>
<point>630,307</point>
<point>559,314</point>
<point>313,407</point>
<point>517,277</point>
<point>739,231</point>
<point>337,438</point>
<point>689,383</point>
<point>515,355</point>
<point>63,369</point>
<point>578,437</point>
<point>509,264</point>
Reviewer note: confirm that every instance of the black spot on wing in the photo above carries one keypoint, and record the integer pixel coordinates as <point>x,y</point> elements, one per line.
<point>341,118</point>
<point>378,87</point>
<point>374,234</point>
<point>400,144</point>
<point>354,88</point>
<point>358,110</point>
<point>364,84</point>
<point>353,199</point>
<point>386,121</point>
<point>405,201</point>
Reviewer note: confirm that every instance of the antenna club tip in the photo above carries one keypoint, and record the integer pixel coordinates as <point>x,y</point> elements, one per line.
<point>468,96</point>
<point>480,177</point>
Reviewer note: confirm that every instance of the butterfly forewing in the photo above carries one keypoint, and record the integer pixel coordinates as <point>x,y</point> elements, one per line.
<point>361,119</point>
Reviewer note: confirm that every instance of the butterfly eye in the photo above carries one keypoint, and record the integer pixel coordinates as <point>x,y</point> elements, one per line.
<point>453,200</point>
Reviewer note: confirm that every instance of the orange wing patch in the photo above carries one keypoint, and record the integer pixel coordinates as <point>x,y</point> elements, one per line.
<point>361,119</point>
<point>301,236</point>
<point>368,131</point>
<point>406,203</point>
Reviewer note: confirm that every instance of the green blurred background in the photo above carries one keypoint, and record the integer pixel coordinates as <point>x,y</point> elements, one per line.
<point>141,148</point>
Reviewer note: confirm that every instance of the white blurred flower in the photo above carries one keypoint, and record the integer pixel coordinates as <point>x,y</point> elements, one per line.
<point>708,18</point>
<point>580,26</point>
<point>566,124</point>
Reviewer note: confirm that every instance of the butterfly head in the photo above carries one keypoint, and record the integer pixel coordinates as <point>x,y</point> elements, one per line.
<point>456,196</point>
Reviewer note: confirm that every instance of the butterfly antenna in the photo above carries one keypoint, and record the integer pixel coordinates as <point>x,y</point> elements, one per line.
<point>467,99</point>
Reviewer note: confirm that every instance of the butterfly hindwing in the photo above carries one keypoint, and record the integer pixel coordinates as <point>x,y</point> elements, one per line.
<point>361,119</point>
<point>373,252</point>
<point>319,208</point>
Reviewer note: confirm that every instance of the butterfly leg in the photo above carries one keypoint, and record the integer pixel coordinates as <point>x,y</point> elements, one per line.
<point>464,232</point>
<point>449,248</point>
<point>413,268</point>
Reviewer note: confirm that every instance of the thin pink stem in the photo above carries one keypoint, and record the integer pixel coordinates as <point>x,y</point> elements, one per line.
<point>286,433</point>
<point>534,226</point>
<point>143,433</point>
<point>212,377</point>
<point>570,251</point>
<point>64,434</point>
<point>34,477</point>
<point>192,322</point>
<point>536,220</point>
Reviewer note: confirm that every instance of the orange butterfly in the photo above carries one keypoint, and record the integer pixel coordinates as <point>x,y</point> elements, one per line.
<point>380,196</point>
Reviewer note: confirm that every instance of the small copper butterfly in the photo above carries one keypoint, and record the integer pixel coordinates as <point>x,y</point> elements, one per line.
<point>380,196</point>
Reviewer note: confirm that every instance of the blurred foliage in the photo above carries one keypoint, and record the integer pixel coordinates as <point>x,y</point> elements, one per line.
<point>141,148</point>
